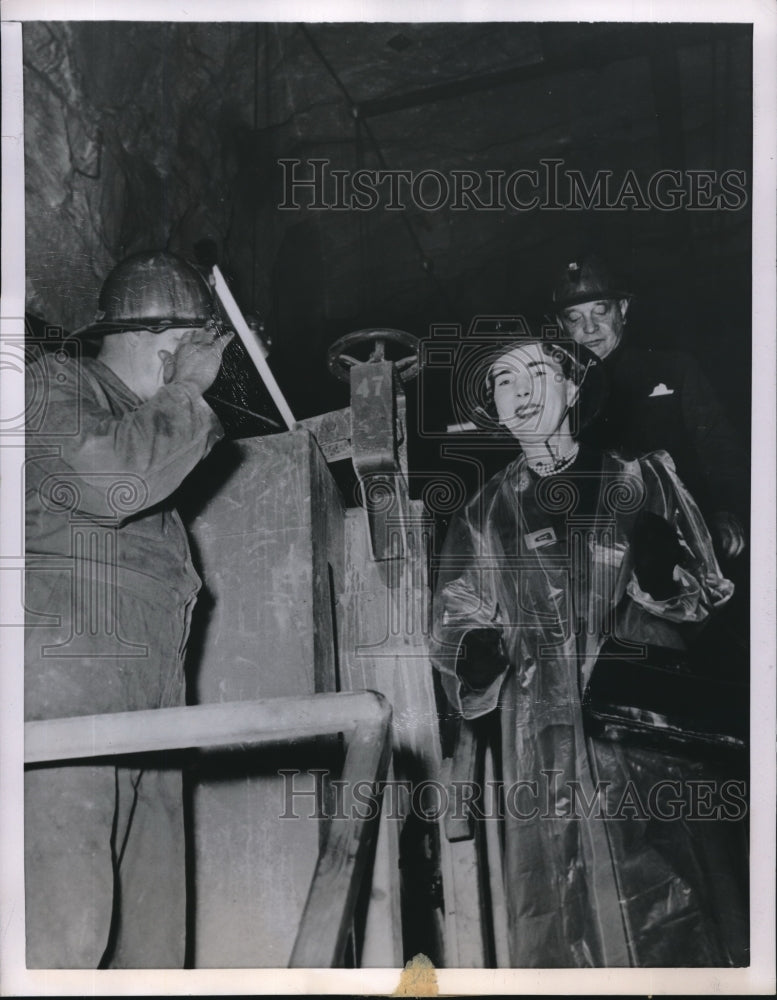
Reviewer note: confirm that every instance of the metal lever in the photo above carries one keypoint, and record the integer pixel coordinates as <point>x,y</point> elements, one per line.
<point>377,430</point>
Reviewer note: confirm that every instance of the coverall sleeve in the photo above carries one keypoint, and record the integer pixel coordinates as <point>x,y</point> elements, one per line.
<point>83,457</point>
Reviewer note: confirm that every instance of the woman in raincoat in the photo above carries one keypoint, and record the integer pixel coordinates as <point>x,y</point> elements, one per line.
<point>608,859</point>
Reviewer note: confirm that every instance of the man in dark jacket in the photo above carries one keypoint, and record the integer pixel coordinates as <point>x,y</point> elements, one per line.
<point>109,591</point>
<point>657,400</point>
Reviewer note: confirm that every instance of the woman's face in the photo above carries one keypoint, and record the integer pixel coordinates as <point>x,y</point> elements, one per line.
<point>531,394</point>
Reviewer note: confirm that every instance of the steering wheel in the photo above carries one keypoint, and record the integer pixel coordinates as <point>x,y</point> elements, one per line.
<point>340,361</point>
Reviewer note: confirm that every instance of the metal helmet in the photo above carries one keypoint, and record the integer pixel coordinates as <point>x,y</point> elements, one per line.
<point>585,279</point>
<point>153,291</point>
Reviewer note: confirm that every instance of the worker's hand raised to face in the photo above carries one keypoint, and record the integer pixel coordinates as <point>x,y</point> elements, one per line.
<point>196,359</point>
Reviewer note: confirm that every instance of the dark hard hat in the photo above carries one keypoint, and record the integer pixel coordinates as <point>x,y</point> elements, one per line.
<point>585,279</point>
<point>153,291</point>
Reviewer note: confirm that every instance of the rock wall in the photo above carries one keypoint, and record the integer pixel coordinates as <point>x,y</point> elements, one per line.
<point>137,136</point>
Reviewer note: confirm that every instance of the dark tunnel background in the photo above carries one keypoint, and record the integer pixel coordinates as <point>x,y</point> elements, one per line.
<point>171,135</point>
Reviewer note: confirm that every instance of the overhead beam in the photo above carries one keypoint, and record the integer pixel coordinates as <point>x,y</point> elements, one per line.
<point>447,91</point>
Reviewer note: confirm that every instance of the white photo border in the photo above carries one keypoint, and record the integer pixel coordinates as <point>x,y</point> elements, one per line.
<point>759,978</point>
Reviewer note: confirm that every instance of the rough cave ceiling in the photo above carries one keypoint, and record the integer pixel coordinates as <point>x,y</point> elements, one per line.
<point>149,135</point>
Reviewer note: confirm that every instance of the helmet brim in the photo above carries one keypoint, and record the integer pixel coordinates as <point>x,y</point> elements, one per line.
<point>102,328</point>
<point>595,295</point>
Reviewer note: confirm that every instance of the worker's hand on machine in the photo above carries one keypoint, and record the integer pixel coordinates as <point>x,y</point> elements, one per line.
<point>196,359</point>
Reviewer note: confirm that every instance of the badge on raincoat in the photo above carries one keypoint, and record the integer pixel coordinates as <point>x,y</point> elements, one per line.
<point>539,539</point>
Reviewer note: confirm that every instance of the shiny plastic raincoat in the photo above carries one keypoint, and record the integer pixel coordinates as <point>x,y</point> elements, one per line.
<point>601,868</point>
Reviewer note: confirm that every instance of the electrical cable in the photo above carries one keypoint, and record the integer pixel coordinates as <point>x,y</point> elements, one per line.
<point>426,263</point>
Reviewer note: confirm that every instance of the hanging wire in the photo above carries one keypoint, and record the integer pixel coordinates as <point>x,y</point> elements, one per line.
<point>328,66</point>
<point>363,125</point>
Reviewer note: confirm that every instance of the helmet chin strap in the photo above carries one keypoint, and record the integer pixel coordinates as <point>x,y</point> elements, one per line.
<point>578,388</point>
<point>564,414</point>
<point>556,461</point>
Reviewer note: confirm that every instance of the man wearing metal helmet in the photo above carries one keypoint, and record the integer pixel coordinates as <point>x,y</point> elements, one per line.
<point>658,400</point>
<point>109,592</point>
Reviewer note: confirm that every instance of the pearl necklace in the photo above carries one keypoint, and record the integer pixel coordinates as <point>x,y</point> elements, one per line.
<point>549,468</point>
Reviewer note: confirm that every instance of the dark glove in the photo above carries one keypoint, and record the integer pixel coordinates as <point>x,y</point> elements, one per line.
<point>656,549</point>
<point>481,658</point>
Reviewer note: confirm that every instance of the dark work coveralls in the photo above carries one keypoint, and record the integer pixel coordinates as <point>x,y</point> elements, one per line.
<point>109,592</point>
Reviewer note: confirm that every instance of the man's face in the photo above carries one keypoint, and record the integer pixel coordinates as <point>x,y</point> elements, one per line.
<point>531,394</point>
<point>597,325</point>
